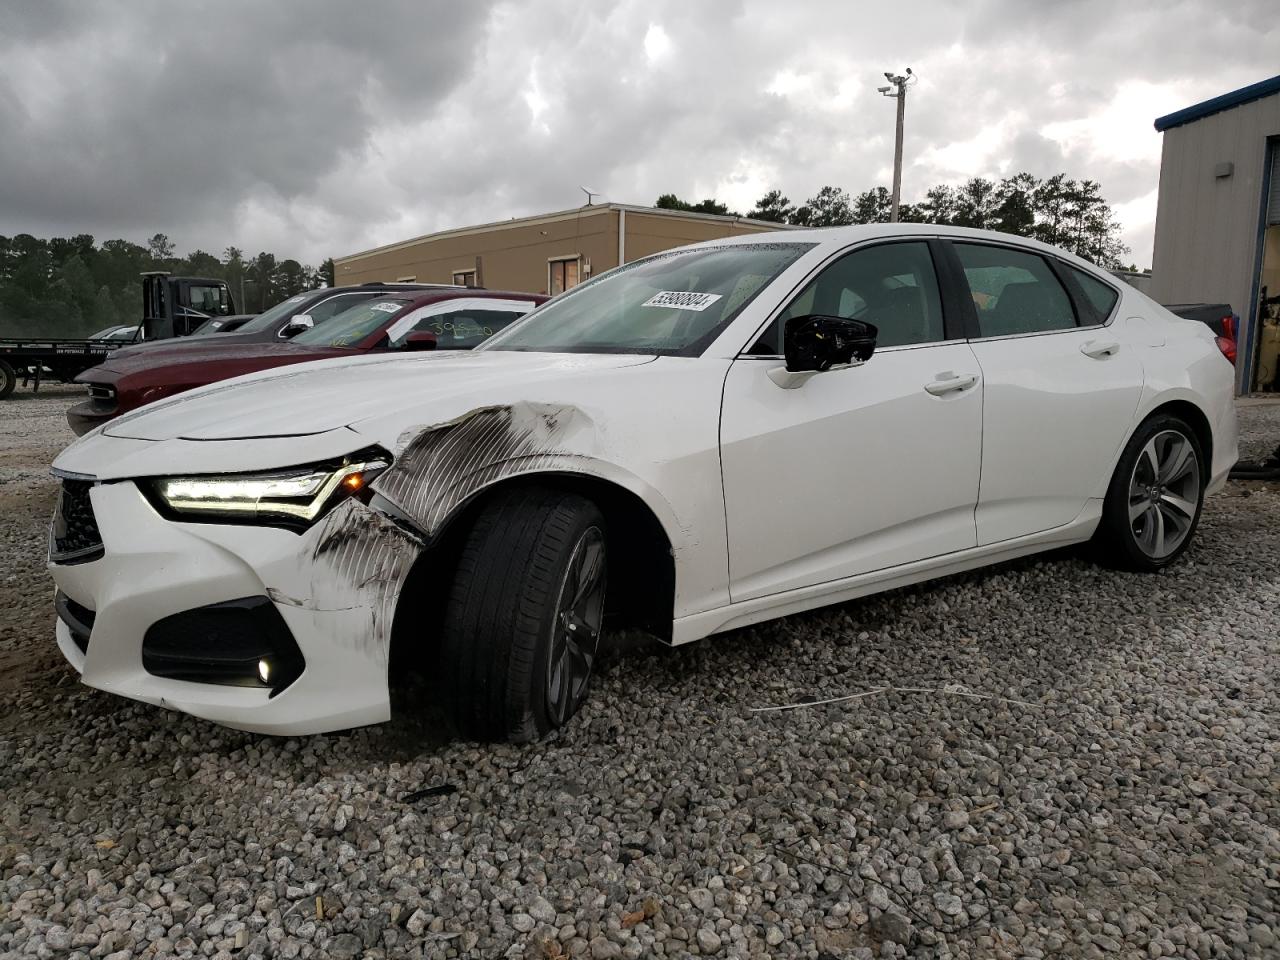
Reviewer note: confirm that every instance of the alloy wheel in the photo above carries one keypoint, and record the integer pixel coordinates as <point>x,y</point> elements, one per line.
<point>1164,494</point>
<point>579,619</point>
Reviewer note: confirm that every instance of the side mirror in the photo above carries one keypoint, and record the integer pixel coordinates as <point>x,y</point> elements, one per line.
<point>297,324</point>
<point>816,342</point>
<point>419,340</point>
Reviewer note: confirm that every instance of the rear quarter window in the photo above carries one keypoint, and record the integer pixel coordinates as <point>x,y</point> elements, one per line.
<point>1101,296</point>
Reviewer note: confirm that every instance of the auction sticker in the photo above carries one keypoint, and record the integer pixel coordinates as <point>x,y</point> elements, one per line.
<point>388,307</point>
<point>682,300</point>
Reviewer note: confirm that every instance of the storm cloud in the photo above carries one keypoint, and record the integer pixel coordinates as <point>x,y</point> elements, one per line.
<point>319,129</point>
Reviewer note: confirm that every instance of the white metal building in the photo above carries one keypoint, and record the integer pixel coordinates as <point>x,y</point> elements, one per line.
<point>1218,221</point>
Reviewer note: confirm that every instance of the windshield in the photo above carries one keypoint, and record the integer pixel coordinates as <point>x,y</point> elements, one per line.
<point>351,326</point>
<point>285,308</point>
<point>210,327</point>
<point>675,303</point>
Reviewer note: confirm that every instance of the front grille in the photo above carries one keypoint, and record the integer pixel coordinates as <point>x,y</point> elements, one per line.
<point>74,537</point>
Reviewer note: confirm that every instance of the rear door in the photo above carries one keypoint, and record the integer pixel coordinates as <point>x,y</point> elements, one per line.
<point>1061,385</point>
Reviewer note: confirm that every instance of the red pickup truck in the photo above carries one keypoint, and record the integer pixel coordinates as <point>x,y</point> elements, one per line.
<point>444,318</point>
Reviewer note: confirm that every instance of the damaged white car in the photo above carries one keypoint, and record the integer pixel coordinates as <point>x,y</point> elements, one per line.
<point>697,441</point>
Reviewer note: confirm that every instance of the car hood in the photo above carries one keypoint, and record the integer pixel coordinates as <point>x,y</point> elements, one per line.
<point>332,394</point>
<point>160,353</point>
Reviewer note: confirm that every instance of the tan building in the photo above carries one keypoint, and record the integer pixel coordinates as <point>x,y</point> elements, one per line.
<point>543,254</point>
<point>1218,220</point>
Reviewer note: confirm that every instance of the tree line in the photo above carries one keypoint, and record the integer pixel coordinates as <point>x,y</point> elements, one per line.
<point>73,286</point>
<point>1058,210</point>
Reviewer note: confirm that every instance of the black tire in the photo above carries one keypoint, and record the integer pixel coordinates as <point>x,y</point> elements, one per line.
<point>1122,532</point>
<point>8,379</point>
<point>505,631</point>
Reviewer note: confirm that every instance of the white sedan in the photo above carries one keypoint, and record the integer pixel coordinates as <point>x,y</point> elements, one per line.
<point>700,440</point>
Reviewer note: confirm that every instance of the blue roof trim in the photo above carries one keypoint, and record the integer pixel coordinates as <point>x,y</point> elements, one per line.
<point>1255,91</point>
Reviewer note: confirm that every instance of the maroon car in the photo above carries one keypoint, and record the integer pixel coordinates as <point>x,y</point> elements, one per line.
<point>453,318</point>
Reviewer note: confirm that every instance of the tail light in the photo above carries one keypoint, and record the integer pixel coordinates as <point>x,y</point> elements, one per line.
<point>1229,326</point>
<point>1228,348</point>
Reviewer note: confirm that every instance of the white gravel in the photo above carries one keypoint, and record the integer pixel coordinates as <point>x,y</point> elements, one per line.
<point>1120,798</point>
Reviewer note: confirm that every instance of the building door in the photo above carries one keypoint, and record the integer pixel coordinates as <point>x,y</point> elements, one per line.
<point>562,273</point>
<point>1266,375</point>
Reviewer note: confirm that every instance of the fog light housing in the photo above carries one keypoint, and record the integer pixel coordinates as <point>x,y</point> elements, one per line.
<point>239,643</point>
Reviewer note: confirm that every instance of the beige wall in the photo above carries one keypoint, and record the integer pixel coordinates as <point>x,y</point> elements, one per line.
<point>649,233</point>
<point>1207,228</point>
<point>512,258</point>
<point>515,257</point>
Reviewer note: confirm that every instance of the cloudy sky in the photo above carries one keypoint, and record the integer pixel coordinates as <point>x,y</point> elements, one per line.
<point>324,128</point>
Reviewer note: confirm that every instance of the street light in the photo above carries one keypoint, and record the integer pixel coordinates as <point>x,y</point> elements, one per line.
<point>897,90</point>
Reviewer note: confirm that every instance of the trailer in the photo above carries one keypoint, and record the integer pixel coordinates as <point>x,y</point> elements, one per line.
<point>171,307</point>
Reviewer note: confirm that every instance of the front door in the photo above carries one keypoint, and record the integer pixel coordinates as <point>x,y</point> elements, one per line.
<point>860,468</point>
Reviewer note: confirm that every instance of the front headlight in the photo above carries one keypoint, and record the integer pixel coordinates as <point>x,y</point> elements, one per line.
<point>294,496</point>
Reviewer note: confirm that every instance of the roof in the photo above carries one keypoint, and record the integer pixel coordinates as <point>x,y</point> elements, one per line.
<point>838,237</point>
<point>569,214</point>
<point>1255,91</point>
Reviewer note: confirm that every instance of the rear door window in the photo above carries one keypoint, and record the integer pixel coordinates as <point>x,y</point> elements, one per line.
<point>1014,292</point>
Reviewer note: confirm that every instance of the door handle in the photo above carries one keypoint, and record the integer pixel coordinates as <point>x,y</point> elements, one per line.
<point>1100,349</point>
<point>950,383</point>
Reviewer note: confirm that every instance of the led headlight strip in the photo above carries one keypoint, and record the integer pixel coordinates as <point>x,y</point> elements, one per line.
<point>297,494</point>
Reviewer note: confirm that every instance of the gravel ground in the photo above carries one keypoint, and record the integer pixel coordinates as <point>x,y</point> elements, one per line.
<point>1121,799</point>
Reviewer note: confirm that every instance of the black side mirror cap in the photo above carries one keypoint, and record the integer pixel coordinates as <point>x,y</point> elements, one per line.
<point>817,342</point>
<point>420,340</point>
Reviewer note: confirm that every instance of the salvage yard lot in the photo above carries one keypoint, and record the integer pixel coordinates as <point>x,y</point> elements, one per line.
<point>1111,786</point>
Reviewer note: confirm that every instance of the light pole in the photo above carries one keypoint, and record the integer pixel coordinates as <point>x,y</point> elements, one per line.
<point>898,91</point>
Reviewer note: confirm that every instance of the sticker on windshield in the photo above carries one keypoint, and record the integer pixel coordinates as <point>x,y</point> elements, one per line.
<point>682,300</point>
<point>389,307</point>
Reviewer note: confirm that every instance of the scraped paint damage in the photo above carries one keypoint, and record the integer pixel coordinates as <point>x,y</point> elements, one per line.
<point>440,466</point>
<point>360,559</point>
<point>361,556</point>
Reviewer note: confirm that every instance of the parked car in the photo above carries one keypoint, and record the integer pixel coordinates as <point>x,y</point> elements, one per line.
<point>220,325</point>
<point>1218,317</point>
<point>294,315</point>
<point>718,435</point>
<point>448,318</point>
<point>123,332</point>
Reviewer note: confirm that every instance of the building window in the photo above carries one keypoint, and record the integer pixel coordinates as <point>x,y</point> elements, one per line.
<point>464,278</point>
<point>562,274</point>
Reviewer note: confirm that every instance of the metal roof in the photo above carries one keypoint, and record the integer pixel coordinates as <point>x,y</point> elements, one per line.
<point>1255,91</point>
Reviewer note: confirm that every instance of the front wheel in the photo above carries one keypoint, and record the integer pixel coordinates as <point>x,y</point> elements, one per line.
<point>1153,503</point>
<point>522,629</point>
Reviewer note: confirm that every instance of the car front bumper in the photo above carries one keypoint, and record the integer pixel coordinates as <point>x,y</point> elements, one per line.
<point>87,414</point>
<point>334,585</point>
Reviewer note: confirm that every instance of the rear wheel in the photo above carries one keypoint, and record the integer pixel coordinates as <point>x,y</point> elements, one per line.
<point>1156,494</point>
<point>522,628</point>
<point>8,379</point>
